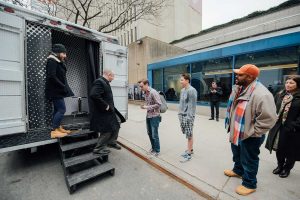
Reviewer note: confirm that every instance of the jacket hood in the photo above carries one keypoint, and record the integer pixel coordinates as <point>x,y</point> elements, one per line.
<point>54,58</point>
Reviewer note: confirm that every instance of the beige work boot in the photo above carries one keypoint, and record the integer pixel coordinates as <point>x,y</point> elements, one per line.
<point>61,129</point>
<point>57,134</point>
<point>242,190</point>
<point>230,173</point>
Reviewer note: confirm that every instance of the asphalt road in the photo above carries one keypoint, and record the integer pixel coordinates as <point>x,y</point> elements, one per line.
<point>25,176</point>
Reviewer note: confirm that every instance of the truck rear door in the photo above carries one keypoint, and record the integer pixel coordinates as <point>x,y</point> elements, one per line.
<point>115,58</point>
<point>12,89</point>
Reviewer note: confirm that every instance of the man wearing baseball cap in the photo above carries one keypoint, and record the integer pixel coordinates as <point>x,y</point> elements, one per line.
<point>251,112</point>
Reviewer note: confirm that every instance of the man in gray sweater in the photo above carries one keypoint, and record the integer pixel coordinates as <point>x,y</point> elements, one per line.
<point>186,114</point>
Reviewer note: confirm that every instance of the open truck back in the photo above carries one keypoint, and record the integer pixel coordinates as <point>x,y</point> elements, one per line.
<point>26,38</point>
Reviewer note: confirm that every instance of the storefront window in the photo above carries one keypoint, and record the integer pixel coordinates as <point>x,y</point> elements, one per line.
<point>158,79</point>
<point>275,65</point>
<point>205,72</point>
<point>172,85</point>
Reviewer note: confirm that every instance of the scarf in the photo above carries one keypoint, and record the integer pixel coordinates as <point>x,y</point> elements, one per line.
<point>239,118</point>
<point>285,106</point>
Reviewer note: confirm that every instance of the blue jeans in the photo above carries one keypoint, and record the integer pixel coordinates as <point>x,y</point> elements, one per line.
<point>246,160</point>
<point>152,130</point>
<point>59,111</point>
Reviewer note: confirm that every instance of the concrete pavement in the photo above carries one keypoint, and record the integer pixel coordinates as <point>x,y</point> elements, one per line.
<point>212,154</point>
<point>39,176</point>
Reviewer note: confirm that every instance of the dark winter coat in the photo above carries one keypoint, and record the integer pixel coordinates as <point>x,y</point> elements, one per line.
<point>289,138</point>
<point>101,96</point>
<point>215,97</point>
<point>56,80</point>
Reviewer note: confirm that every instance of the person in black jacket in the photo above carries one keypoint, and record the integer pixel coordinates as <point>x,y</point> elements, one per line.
<point>284,137</point>
<point>57,87</point>
<point>215,94</point>
<point>105,118</point>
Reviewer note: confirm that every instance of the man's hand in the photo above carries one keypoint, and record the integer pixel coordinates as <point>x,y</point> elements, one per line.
<point>144,107</point>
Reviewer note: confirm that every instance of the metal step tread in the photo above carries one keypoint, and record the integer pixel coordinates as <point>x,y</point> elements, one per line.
<point>76,145</point>
<point>89,173</point>
<point>68,162</point>
<point>80,132</point>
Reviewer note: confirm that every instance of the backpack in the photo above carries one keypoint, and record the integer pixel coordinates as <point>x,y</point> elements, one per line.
<point>163,106</point>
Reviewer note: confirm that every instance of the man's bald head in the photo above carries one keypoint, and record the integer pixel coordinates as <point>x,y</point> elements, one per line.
<point>108,74</point>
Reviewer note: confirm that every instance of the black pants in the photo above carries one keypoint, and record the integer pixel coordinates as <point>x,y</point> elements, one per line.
<point>106,138</point>
<point>284,161</point>
<point>213,105</point>
<point>284,153</point>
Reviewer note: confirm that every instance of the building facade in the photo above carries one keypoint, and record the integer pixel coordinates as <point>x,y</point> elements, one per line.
<point>178,19</point>
<point>142,52</point>
<point>276,53</point>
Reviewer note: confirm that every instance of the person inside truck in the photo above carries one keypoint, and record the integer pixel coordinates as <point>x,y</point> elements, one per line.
<point>57,88</point>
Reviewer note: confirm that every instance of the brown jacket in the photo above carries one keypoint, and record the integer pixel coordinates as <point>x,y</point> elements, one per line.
<point>260,113</point>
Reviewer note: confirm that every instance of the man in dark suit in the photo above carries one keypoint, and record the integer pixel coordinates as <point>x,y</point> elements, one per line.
<point>105,118</point>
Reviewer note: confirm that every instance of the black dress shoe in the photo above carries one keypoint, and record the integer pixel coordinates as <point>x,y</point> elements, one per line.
<point>217,119</point>
<point>285,173</point>
<point>115,146</point>
<point>211,119</point>
<point>278,170</point>
<point>101,151</point>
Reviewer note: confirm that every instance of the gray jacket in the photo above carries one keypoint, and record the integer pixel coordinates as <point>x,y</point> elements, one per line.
<point>188,102</point>
<point>260,113</point>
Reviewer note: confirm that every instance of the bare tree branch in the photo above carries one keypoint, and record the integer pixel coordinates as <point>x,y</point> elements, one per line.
<point>107,15</point>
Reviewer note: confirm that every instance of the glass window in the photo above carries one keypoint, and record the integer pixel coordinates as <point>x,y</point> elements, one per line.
<point>128,38</point>
<point>158,79</point>
<point>214,70</point>
<point>131,34</point>
<point>172,85</point>
<point>135,30</point>
<point>125,39</point>
<point>275,65</point>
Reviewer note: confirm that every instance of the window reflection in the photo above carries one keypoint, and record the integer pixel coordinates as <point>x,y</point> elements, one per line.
<point>275,65</point>
<point>214,70</point>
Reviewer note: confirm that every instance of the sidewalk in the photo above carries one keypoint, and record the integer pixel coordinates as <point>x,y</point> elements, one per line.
<point>212,154</point>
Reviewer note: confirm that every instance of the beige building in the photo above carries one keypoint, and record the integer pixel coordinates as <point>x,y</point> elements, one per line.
<point>178,19</point>
<point>145,51</point>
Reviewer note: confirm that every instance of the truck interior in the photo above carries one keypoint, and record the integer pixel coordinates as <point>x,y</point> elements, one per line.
<point>83,67</point>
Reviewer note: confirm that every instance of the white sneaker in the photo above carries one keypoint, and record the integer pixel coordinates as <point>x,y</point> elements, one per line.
<point>186,152</point>
<point>150,152</point>
<point>186,158</point>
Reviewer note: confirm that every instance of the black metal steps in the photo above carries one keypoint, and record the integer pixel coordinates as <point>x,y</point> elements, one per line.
<point>68,162</point>
<point>77,145</point>
<point>78,161</point>
<point>90,173</point>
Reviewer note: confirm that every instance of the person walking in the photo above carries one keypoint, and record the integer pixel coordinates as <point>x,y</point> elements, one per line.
<point>153,118</point>
<point>57,88</point>
<point>103,114</point>
<point>215,94</point>
<point>186,113</point>
<point>284,137</point>
<point>251,112</point>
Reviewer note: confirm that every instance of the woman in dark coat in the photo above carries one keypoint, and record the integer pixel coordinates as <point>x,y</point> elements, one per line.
<point>57,87</point>
<point>284,137</point>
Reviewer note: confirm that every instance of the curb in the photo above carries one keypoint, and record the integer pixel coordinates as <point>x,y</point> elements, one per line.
<point>167,172</point>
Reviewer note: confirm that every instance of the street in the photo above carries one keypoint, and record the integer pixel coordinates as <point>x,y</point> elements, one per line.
<point>26,176</point>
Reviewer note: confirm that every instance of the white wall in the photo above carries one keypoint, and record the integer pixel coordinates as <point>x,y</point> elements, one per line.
<point>268,23</point>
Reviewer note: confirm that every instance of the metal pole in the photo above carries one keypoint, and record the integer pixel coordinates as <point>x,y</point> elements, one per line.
<point>233,65</point>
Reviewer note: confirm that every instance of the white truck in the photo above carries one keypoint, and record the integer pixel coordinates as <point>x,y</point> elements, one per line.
<point>26,38</point>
